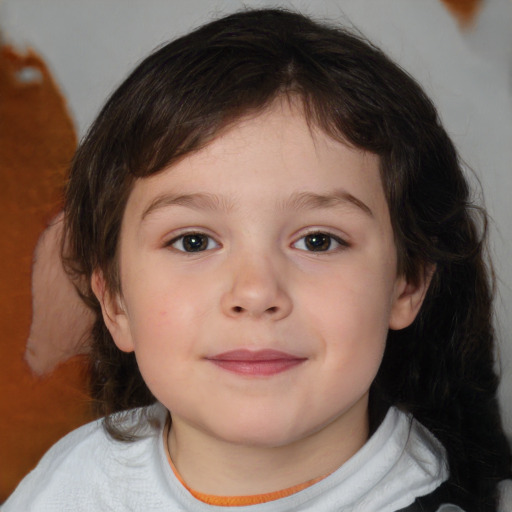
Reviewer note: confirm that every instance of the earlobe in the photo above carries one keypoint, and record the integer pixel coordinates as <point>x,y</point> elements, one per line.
<point>408,300</point>
<point>113,311</point>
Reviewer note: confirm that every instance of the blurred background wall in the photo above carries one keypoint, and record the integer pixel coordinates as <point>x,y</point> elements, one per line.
<point>461,51</point>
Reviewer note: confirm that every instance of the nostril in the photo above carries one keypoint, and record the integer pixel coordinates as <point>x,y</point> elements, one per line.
<point>238,309</point>
<point>273,309</point>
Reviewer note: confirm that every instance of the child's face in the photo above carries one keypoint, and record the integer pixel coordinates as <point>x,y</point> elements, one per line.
<point>259,281</point>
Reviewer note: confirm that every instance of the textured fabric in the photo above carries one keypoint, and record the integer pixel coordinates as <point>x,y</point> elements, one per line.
<point>89,471</point>
<point>438,500</point>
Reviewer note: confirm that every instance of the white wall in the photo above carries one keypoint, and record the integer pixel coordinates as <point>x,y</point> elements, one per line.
<point>91,45</point>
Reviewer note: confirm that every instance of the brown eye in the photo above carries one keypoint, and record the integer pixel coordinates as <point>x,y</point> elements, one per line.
<point>319,242</point>
<point>194,242</point>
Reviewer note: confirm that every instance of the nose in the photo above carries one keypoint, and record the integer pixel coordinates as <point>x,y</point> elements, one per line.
<point>256,289</point>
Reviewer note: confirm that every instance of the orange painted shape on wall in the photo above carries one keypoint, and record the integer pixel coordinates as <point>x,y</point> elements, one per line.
<point>464,10</point>
<point>37,141</point>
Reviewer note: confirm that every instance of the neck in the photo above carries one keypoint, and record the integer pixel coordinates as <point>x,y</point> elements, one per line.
<point>214,466</point>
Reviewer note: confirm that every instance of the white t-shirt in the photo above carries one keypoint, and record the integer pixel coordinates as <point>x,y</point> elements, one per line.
<point>89,471</point>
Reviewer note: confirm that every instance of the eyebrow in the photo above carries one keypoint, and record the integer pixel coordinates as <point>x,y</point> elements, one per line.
<point>198,201</point>
<point>297,201</point>
<point>311,201</point>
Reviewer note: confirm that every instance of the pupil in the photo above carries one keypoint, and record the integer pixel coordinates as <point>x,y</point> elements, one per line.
<point>318,242</point>
<point>194,243</point>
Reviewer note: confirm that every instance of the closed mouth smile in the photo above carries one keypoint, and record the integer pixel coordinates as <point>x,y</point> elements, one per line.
<point>259,363</point>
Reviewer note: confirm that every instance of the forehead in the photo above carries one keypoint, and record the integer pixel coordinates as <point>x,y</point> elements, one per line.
<point>273,155</point>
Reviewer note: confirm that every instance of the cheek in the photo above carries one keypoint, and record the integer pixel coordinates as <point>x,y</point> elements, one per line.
<point>163,342</point>
<point>357,301</point>
<point>162,300</point>
<point>160,324</point>
<point>166,319</point>
<point>351,319</point>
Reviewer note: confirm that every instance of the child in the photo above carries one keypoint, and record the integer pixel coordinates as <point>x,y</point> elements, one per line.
<point>293,310</point>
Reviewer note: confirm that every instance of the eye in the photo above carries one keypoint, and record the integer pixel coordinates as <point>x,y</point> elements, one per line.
<point>319,242</point>
<point>193,242</point>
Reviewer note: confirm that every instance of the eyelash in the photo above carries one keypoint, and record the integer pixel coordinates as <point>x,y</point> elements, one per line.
<point>323,236</point>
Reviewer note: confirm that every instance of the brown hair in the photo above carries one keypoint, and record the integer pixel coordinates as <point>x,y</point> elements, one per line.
<point>177,100</point>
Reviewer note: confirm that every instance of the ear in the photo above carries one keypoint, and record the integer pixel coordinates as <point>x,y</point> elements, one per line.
<point>409,297</point>
<point>114,313</point>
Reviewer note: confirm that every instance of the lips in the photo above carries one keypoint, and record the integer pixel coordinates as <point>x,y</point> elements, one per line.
<point>260,363</point>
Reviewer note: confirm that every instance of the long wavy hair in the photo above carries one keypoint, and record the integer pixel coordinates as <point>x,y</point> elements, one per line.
<point>441,368</point>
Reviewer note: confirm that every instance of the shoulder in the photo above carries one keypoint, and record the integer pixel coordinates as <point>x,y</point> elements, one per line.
<point>60,470</point>
<point>441,498</point>
<point>420,451</point>
<point>82,467</point>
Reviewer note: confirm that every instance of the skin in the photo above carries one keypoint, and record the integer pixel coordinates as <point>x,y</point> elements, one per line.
<point>258,198</point>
